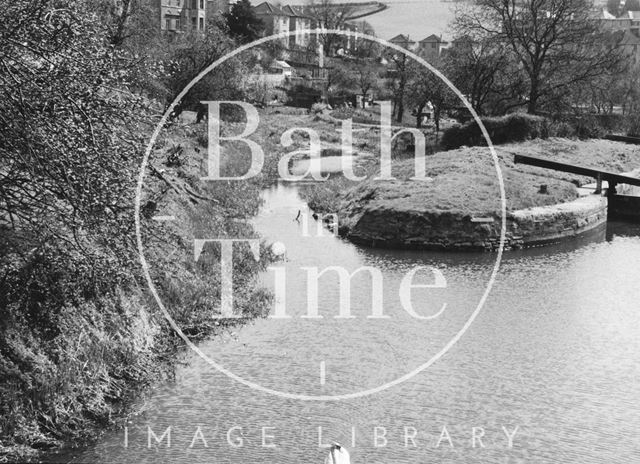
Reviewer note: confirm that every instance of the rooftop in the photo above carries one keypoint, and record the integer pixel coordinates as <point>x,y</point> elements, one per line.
<point>269,9</point>
<point>401,39</point>
<point>433,38</point>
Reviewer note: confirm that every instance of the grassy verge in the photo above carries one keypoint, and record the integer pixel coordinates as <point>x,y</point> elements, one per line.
<point>465,181</point>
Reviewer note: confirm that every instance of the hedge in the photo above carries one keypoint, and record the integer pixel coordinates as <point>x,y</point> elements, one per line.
<point>515,127</point>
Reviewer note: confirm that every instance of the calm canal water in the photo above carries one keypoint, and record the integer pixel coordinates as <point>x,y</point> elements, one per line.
<point>553,360</point>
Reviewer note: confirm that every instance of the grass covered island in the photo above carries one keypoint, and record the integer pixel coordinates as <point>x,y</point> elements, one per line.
<point>451,210</point>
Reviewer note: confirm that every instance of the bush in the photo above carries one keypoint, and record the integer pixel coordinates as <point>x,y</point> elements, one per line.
<point>77,335</point>
<point>506,129</point>
<point>561,129</point>
<point>320,108</point>
<point>71,146</point>
<point>303,96</point>
<point>613,122</point>
<point>588,127</point>
<point>343,113</point>
<point>633,127</point>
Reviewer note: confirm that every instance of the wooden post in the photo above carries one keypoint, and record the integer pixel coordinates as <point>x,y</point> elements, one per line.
<point>598,185</point>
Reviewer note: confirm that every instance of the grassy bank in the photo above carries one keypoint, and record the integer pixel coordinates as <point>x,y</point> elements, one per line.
<point>463,182</point>
<point>80,338</point>
<point>76,369</point>
<point>73,366</point>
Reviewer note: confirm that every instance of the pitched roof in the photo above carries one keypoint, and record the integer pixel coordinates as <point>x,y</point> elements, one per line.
<point>401,38</point>
<point>433,38</point>
<point>297,11</point>
<point>280,64</point>
<point>290,10</point>
<point>266,8</point>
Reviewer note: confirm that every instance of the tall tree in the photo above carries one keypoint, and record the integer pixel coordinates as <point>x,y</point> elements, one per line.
<point>190,54</point>
<point>129,23</point>
<point>424,87</point>
<point>242,23</point>
<point>397,77</point>
<point>556,42</point>
<point>328,14</point>
<point>614,7</point>
<point>358,73</point>
<point>485,73</point>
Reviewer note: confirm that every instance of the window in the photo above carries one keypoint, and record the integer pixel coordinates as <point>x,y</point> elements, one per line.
<point>172,22</point>
<point>202,4</point>
<point>193,23</point>
<point>201,23</point>
<point>194,4</point>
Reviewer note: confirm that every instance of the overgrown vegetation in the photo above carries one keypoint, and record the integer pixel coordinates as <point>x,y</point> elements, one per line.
<point>557,49</point>
<point>79,335</point>
<point>83,84</point>
<point>70,149</point>
<point>516,127</point>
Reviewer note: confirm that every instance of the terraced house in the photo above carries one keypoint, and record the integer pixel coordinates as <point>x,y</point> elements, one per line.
<point>301,23</point>
<point>275,19</point>
<point>182,15</point>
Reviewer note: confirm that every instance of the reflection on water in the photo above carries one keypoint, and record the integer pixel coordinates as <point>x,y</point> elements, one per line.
<point>555,353</point>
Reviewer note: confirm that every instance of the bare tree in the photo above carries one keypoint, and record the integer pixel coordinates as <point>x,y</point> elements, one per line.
<point>128,21</point>
<point>330,15</point>
<point>425,87</point>
<point>556,43</point>
<point>487,75</point>
<point>362,70</point>
<point>397,77</point>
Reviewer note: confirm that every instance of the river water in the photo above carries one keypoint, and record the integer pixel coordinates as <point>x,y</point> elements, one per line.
<point>552,361</point>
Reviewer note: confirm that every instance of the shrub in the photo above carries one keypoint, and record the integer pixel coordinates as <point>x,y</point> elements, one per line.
<point>303,96</point>
<point>613,122</point>
<point>320,108</point>
<point>633,127</point>
<point>505,129</point>
<point>343,113</point>
<point>588,127</point>
<point>77,335</point>
<point>561,129</point>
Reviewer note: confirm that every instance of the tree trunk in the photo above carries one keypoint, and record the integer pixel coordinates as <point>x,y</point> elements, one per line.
<point>118,36</point>
<point>400,111</point>
<point>532,107</point>
<point>419,116</point>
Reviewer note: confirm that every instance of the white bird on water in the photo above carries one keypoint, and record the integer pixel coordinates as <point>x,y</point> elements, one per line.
<point>338,454</point>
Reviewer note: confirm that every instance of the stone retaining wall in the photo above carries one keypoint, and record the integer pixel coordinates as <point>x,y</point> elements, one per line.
<point>456,232</point>
<point>550,224</point>
<point>440,230</point>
